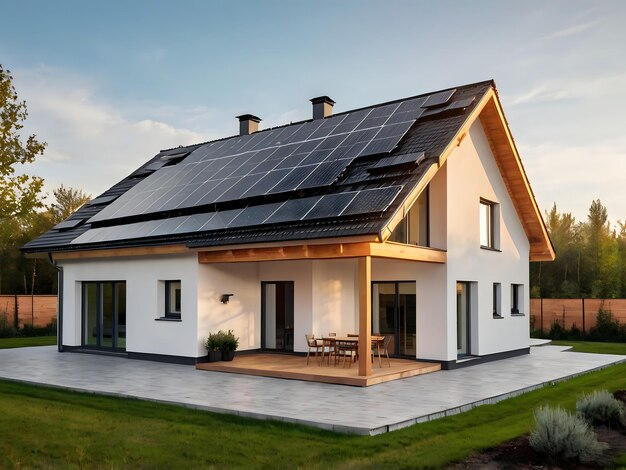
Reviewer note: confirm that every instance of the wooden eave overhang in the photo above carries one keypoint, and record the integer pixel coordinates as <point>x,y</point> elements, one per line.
<point>324,251</point>
<point>489,111</point>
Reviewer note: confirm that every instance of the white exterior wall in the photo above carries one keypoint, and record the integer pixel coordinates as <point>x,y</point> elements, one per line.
<point>324,298</point>
<point>144,334</point>
<point>431,301</point>
<point>472,173</point>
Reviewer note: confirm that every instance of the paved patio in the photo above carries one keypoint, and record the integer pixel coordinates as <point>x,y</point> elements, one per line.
<point>371,410</point>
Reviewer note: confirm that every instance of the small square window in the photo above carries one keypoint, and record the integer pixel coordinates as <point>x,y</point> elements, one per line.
<point>172,299</point>
<point>517,299</point>
<point>497,302</point>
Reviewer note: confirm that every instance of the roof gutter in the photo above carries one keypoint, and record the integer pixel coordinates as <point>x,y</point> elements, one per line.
<point>59,302</point>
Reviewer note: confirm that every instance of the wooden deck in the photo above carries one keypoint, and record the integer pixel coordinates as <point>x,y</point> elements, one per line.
<point>286,366</point>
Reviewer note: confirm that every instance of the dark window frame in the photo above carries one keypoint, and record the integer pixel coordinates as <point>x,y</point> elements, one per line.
<point>168,313</point>
<point>406,221</point>
<point>515,299</point>
<point>497,300</point>
<point>490,222</point>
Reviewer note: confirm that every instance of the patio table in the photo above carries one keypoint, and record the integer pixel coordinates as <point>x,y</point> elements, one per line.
<point>331,341</point>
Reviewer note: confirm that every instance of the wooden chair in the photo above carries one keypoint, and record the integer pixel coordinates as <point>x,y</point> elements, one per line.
<point>384,349</point>
<point>347,349</point>
<point>313,344</point>
<point>329,347</point>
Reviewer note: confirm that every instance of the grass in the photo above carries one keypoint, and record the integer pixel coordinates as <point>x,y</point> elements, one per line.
<point>24,342</point>
<point>51,428</point>
<point>592,347</point>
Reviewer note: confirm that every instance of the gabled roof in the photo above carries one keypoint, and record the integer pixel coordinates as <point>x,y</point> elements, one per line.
<point>349,174</point>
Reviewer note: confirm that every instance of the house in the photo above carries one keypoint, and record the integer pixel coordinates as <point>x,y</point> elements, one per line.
<point>412,218</point>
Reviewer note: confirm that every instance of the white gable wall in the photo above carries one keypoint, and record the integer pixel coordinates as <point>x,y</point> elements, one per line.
<point>144,334</point>
<point>473,174</point>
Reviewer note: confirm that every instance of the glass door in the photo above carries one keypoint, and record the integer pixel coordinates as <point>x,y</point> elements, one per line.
<point>394,314</point>
<point>277,315</point>
<point>462,318</point>
<point>104,315</point>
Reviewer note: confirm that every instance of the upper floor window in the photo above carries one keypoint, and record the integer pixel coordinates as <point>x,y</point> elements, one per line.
<point>414,228</point>
<point>488,224</point>
<point>172,299</point>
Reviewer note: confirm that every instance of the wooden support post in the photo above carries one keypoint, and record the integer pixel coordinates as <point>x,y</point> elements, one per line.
<point>365,315</point>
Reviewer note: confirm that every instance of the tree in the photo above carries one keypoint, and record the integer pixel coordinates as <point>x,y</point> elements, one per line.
<point>68,201</point>
<point>19,193</point>
<point>19,275</point>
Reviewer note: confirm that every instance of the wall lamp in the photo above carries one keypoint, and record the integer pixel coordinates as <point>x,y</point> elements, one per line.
<point>225,298</point>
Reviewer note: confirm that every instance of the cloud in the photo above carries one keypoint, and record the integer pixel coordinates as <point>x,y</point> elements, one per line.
<point>575,29</point>
<point>570,88</point>
<point>92,144</point>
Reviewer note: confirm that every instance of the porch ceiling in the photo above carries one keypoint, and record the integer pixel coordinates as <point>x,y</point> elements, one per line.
<point>329,251</point>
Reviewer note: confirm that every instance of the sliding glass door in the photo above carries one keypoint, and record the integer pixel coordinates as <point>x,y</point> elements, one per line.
<point>104,315</point>
<point>277,315</point>
<point>394,314</point>
<point>462,318</point>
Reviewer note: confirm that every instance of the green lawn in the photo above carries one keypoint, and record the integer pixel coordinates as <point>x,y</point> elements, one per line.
<point>591,347</point>
<point>44,427</point>
<point>6,343</point>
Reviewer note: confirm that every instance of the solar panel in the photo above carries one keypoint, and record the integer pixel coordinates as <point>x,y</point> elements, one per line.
<point>254,215</point>
<point>397,160</point>
<point>267,182</point>
<point>221,220</point>
<point>438,99</point>
<point>293,179</point>
<point>102,200</point>
<point>461,104</point>
<point>193,223</point>
<point>372,200</point>
<point>293,210</point>
<point>270,155</point>
<point>66,224</point>
<point>330,205</point>
<point>324,174</point>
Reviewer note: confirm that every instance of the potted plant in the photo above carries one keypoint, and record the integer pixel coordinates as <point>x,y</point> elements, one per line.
<point>229,346</point>
<point>214,344</point>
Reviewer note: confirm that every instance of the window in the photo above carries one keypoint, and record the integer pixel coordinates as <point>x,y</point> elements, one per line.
<point>414,228</point>
<point>517,297</point>
<point>497,302</point>
<point>488,225</point>
<point>172,299</point>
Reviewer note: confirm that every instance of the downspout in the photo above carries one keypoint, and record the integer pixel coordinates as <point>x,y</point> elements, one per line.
<point>59,302</point>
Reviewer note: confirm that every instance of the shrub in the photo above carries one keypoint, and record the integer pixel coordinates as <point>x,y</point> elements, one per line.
<point>607,327</point>
<point>557,331</point>
<point>575,333</point>
<point>7,330</point>
<point>30,330</point>
<point>600,407</point>
<point>215,341</point>
<point>562,435</point>
<point>230,342</point>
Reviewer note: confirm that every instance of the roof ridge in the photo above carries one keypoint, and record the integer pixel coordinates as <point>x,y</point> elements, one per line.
<point>384,103</point>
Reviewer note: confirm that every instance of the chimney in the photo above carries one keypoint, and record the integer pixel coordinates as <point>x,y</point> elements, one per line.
<point>248,124</point>
<point>322,107</point>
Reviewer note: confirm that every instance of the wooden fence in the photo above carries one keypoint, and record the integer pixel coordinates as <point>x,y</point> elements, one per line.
<point>37,310</point>
<point>569,312</point>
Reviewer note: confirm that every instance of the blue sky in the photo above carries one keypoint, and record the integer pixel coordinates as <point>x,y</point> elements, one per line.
<point>110,83</point>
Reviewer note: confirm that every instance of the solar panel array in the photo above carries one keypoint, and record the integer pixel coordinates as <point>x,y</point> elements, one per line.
<point>294,157</point>
<point>292,210</point>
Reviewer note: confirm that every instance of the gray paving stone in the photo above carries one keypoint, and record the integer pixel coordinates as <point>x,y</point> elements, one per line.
<point>369,410</point>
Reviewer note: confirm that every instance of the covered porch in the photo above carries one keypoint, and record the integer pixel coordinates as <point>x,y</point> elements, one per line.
<point>289,366</point>
<point>333,292</point>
